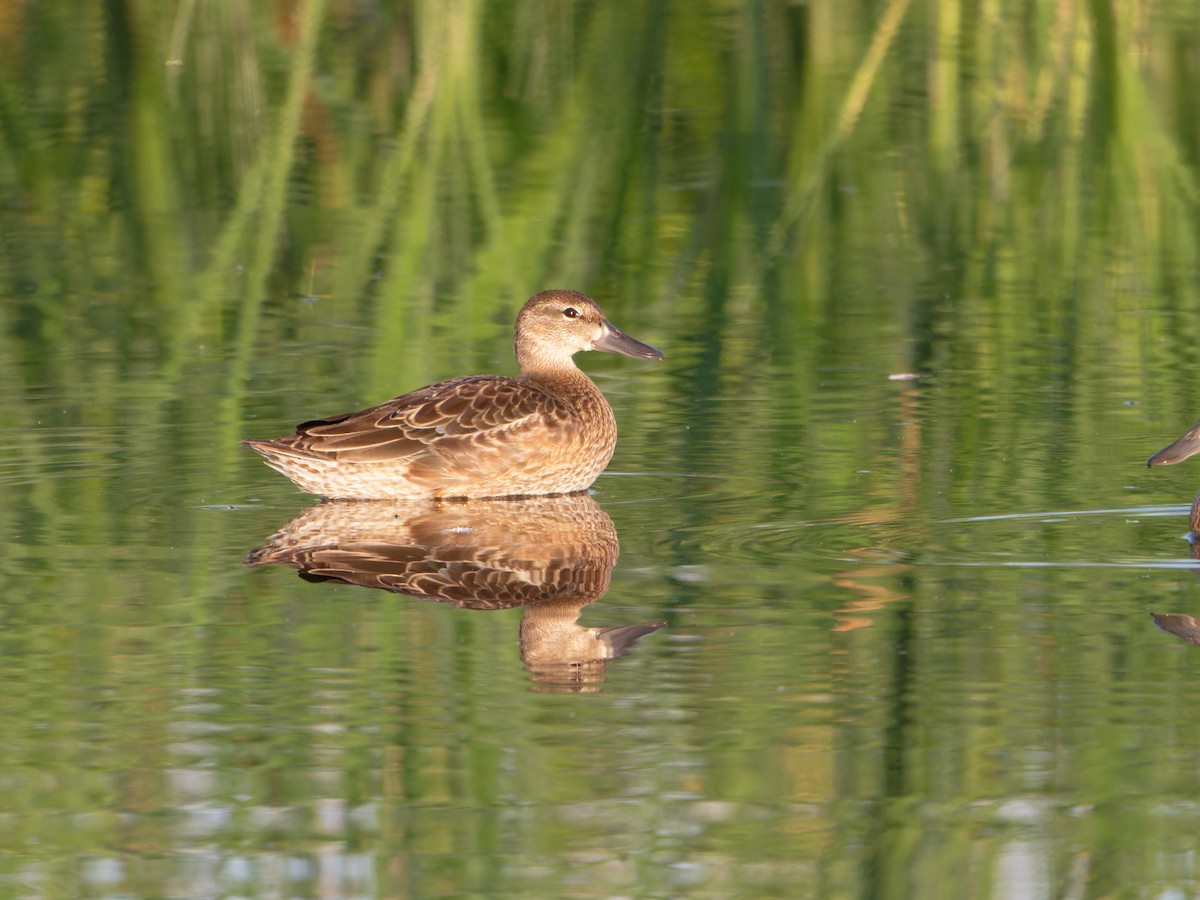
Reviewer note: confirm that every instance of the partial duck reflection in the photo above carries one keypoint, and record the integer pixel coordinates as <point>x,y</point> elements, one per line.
<point>1186,627</point>
<point>551,555</point>
<point>1179,624</point>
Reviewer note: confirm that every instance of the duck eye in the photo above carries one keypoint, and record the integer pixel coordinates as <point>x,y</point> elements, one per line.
<point>571,312</point>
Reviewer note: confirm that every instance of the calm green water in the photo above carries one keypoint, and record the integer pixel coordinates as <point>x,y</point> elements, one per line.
<point>906,647</point>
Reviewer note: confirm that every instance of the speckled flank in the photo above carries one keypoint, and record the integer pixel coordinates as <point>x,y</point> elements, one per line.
<point>547,431</point>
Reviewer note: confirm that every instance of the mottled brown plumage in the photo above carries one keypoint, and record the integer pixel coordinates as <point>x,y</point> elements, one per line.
<point>1180,625</point>
<point>478,554</point>
<point>550,555</point>
<point>547,431</point>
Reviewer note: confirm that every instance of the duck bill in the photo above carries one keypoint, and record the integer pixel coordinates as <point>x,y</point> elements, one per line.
<point>614,341</point>
<point>1188,445</point>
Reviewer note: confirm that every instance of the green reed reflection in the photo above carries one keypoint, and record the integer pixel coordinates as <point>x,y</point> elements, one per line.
<point>481,148</point>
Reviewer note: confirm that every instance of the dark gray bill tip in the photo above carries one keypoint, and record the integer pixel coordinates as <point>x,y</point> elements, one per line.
<point>1159,459</point>
<point>614,341</point>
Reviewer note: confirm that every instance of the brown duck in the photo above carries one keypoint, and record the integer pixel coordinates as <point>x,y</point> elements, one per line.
<point>1188,445</point>
<point>547,431</point>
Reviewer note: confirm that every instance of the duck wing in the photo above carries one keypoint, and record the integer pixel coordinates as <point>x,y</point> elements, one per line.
<point>445,417</point>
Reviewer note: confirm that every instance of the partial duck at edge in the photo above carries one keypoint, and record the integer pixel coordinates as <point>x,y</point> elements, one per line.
<point>1188,445</point>
<point>547,431</point>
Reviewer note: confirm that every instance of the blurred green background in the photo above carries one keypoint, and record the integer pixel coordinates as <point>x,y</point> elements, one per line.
<point>907,650</point>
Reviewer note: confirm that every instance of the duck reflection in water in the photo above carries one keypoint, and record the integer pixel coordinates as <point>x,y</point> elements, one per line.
<point>1180,625</point>
<point>551,555</point>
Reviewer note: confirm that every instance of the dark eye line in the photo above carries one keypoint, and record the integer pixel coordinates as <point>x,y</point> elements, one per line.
<point>571,312</point>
